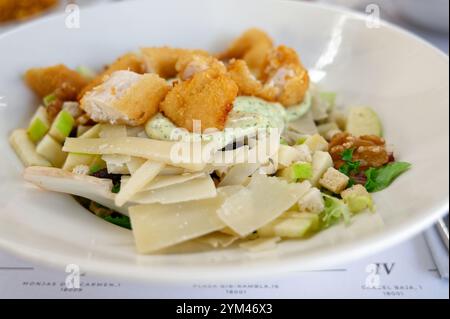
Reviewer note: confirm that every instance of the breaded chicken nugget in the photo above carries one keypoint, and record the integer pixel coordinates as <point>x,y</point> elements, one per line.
<point>190,64</point>
<point>129,61</point>
<point>22,9</point>
<point>252,46</point>
<point>248,84</point>
<point>125,97</point>
<point>208,97</point>
<point>284,72</point>
<point>45,81</point>
<point>162,60</point>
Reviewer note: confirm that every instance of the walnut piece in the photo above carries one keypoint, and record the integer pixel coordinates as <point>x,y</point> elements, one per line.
<point>370,150</point>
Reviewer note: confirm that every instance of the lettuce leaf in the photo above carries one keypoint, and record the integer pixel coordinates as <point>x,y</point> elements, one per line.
<point>119,220</point>
<point>380,178</point>
<point>335,211</point>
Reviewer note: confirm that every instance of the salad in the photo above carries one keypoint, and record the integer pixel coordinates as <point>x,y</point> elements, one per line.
<point>184,145</point>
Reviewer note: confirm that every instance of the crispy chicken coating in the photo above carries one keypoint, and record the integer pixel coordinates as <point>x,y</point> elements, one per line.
<point>190,64</point>
<point>252,47</point>
<point>22,9</point>
<point>163,60</point>
<point>248,84</point>
<point>129,61</point>
<point>125,97</point>
<point>45,81</point>
<point>284,72</point>
<point>207,97</point>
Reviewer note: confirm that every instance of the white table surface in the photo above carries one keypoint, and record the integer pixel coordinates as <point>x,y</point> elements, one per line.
<point>404,271</point>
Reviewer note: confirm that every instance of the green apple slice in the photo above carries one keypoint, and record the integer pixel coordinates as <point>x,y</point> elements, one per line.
<point>363,121</point>
<point>50,149</point>
<point>62,126</point>
<point>39,125</point>
<point>26,150</point>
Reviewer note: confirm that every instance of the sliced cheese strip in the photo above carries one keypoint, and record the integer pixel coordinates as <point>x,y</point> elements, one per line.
<point>158,226</point>
<point>196,189</point>
<point>115,164</point>
<point>158,151</point>
<point>58,180</point>
<point>162,181</point>
<point>217,240</point>
<point>145,174</point>
<point>261,244</point>
<point>238,174</point>
<point>262,201</point>
<point>109,130</point>
<point>134,164</point>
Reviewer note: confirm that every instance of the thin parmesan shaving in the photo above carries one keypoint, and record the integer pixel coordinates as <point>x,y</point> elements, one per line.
<point>196,189</point>
<point>265,199</point>
<point>145,174</point>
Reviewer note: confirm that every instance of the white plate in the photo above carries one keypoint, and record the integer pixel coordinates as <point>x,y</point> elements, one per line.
<point>403,78</point>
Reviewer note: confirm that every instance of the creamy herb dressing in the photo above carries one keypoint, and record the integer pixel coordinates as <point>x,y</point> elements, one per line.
<point>248,115</point>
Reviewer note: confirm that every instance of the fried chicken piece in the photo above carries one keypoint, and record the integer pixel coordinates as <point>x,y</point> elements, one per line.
<point>45,81</point>
<point>125,97</point>
<point>22,9</point>
<point>162,60</point>
<point>208,97</point>
<point>190,64</point>
<point>129,61</point>
<point>284,72</point>
<point>248,84</point>
<point>252,47</point>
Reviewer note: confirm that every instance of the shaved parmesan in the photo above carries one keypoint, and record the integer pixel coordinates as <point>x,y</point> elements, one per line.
<point>134,164</point>
<point>238,174</point>
<point>109,130</point>
<point>155,150</point>
<point>58,180</point>
<point>117,164</point>
<point>260,244</point>
<point>135,131</point>
<point>265,199</point>
<point>169,180</point>
<point>159,226</point>
<point>138,180</point>
<point>93,132</point>
<point>217,240</point>
<point>172,170</point>
<point>196,189</point>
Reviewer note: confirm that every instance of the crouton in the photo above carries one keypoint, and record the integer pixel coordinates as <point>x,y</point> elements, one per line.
<point>45,81</point>
<point>334,181</point>
<point>129,61</point>
<point>125,98</point>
